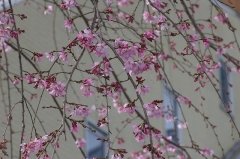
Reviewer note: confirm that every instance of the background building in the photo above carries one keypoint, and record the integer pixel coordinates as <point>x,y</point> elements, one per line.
<point>44,33</point>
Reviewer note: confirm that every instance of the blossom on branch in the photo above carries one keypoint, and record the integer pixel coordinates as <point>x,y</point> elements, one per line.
<point>87,83</point>
<point>80,142</point>
<point>48,10</point>
<point>207,152</point>
<point>184,100</point>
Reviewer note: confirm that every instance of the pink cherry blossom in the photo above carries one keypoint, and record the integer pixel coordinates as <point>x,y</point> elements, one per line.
<point>140,155</point>
<point>103,122</point>
<point>63,56</point>
<point>4,46</point>
<point>57,89</point>
<point>68,24</point>
<point>154,110</point>
<point>124,3</point>
<point>102,112</point>
<point>206,42</point>
<point>48,10</point>
<point>141,48</point>
<point>5,34</point>
<point>161,19</point>
<point>184,100</point>
<point>194,38</point>
<point>116,157</point>
<point>16,80</point>
<point>171,148</point>
<point>50,56</point>
<point>124,50</point>
<point>143,90</point>
<point>68,108</point>
<point>96,69</point>
<point>87,83</point>
<point>136,68</point>
<point>221,51</point>
<point>121,141</point>
<point>232,46</point>
<point>221,17</point>
<point>82,111</point>
<point>150,35</point>
<point>139,134</point>
<point>4,18</point>
<point>107,70</point>
<point>234,69</point>
<point>29,78</point>
<point>74,128</point>
<point>183,26</point>
<point>163,56</point>
<point>120,109</point>
<point>117,102</point>
<point>159,77</point>
<point>120,15</point>
<point>181,156</point>
<point>156,3</point>
<point>116,89</point>
<point>93,108</point>
<point>207,152</point>
<point>33,147</point>
<point>39,56</point>
<point>109,1</point>
<point>157,134</point>
<point>201,68</point>
<point>182,125</point>
<point>69,4</point>
<point>148,17</point>
<point>101,50</point>
<point>212,26</point>
<point>87,38</point>
<point>80,142</point>
<point>180,15</point>
<point>129,108</point>
<point>169,117</point>
<point>201,26</point>
<point>130,18</point>
<point>39,83</point>
<point>215,67</point>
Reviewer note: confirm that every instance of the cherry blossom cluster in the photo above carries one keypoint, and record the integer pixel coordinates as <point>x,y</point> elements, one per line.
<point>88,39</point>
<point>142,131</point>
<point>101,69</point>
<point>160,150</point>
<point>80,143</point>
<point>119,153</point>
<point>207,152</point>
<point>128,52</point>
<point>159,4</point>
<point>48,10</point>
<point>69,4</point>
<point>6,32</point>
<point>184,100</point>
<point>33,147</point>
<point>221,17</point>
<point>55,88</point>
<point>81,111</point>
<point>154,110</point>
<point>86,87</point>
